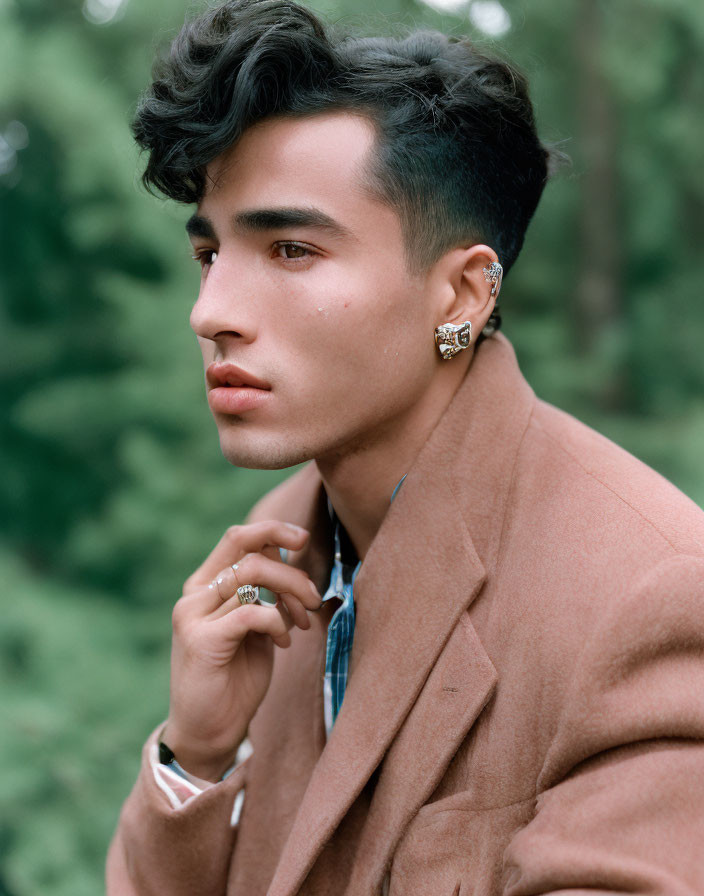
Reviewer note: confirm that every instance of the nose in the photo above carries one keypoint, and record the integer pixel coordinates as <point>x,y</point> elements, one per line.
<point>223,306</point>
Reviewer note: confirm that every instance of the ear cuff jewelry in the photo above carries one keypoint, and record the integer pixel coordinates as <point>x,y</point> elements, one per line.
<point>494,274</point>
<point>451,339</point>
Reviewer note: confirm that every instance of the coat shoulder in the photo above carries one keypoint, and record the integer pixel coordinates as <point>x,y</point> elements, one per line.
<point>586,474</point>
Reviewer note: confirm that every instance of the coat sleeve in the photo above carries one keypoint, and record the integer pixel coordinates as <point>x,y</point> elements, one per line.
<point>621,794</point>
<point>186,851</point>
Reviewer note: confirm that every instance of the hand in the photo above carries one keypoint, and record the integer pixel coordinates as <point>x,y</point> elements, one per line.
<point>222,653</point>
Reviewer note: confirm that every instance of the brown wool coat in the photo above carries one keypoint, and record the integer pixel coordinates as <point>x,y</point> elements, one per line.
<point>525,707</point>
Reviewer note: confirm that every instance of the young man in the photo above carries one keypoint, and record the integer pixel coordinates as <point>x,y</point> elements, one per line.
<point>484,671</point>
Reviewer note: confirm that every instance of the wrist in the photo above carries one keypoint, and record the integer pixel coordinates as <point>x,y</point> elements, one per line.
<point>197,760</point>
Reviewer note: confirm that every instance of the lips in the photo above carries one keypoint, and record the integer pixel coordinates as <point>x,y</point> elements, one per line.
<point>233,390</point>
<point>230,375</point>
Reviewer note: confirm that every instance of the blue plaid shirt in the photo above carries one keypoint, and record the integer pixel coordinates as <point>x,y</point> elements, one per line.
<point>340,631</point>
<point>341,626</point>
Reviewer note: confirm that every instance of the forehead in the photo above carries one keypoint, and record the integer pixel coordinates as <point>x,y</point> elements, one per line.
<point>296,161</point>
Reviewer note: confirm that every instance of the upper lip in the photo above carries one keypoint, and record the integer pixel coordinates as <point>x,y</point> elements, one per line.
<point>232,375</point>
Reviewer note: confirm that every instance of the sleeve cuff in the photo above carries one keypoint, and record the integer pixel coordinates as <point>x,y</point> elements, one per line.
<point>181,787</point>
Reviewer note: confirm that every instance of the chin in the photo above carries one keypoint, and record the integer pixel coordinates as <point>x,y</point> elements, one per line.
<point>262,456</point>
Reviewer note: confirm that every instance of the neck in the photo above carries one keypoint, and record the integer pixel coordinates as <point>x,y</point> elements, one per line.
<point>360,479</point>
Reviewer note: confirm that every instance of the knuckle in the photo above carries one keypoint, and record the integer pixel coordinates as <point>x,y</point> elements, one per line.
<point>232,533</point>
<point>249,568</point>
<point>178,616</point>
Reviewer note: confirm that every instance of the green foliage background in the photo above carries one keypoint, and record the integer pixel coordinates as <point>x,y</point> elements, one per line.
<point>113,486</point>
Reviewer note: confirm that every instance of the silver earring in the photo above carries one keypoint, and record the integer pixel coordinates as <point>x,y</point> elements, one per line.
<point>494,274</point>
<point>451,339</point>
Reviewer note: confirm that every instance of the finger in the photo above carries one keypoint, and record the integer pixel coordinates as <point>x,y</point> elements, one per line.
<point>272,553</point>
<point>235,624</point>
<point>254,569</point>
<point>293,605</point>
<point>212,597</point>
<point>284,640</point>
<point>233,605</point>
<point>257,569</point>
<point>240,540</point>
<point>222,598</point>
<point>265,596</point>
<point>296,610</point>
<point>229,606</point>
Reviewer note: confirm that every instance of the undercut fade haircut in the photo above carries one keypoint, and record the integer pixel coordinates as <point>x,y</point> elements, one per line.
<point>457,153</point>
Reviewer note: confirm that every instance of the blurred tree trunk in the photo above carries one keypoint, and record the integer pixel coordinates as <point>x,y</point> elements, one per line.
<point>599,276</point>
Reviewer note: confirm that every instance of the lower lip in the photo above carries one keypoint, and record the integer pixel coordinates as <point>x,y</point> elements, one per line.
<point>236,399</point>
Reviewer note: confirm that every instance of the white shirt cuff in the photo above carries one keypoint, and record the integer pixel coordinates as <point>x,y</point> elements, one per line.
<point>180,788</point>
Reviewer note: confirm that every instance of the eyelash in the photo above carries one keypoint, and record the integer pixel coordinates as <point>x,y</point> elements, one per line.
<point>202,255</point>
<point>212,254</point>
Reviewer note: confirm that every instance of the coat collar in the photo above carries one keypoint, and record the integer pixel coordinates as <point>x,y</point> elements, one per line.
<point>427,563</point>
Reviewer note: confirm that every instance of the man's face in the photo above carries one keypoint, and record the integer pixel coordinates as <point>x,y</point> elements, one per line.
<point>305,287</point>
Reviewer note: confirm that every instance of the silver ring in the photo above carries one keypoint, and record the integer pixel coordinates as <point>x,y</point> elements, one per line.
<point>248,594</point>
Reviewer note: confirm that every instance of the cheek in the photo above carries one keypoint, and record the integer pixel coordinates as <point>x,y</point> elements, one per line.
<point>337,327</point>
<point>345,332</point>
<point>393,329</point>
<point>375,337</point>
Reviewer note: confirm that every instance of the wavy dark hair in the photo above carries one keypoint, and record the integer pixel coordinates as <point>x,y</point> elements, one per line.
<point>457,154</point>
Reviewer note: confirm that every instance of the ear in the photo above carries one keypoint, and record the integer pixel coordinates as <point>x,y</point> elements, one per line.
<point>461,290</point>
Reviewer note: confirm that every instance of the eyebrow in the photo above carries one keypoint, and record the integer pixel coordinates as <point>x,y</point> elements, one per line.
<point>262,219</point>
<point>197,225</point>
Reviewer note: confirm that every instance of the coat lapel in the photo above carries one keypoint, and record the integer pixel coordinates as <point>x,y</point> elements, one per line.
<point>460,685</point>
<point>424,569</point>
<point>392,656</point>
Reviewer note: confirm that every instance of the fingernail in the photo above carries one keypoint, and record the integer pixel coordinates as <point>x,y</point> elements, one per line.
<point>295,528</point>
<point>314,589</point>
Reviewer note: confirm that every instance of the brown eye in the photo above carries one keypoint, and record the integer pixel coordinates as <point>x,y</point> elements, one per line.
<point>292,251</point>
